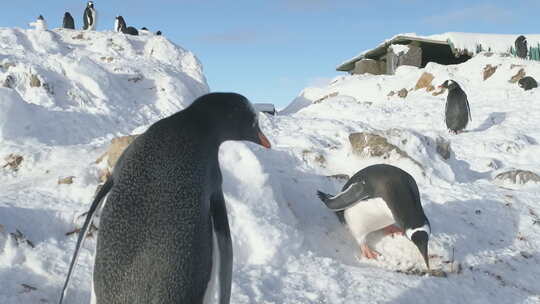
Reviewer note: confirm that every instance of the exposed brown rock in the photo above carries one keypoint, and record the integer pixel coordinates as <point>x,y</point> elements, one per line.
<point>13,161</point>
<point>374,145</point>
<point>391,93</point>
<point>489,70</point>
<point>117,147</point>
<point>333,94</point>
<point>430,88</point>
<point>520,74</point>
<point>34,81</point>
<point>403,93</point>
<point>518,177</point>
<point>443,148</point>
<point>66,180</point>
<point>424,81</point>
<point>439,92</point>
<point>80,36</point>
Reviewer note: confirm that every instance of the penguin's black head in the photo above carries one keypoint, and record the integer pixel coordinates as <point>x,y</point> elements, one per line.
<point>40,17</point>
<point>90,4</point>
<point>420,237</point>
<point>449,84</point>
<point>232,116</point>
<point>67,14</point>
<point>521,39</point>
<point>144,29</point>
<point>158,33</point>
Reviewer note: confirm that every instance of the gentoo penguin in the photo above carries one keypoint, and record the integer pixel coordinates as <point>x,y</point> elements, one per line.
<point>68,22</point>
<point>121,27</point>
<point>144,31</point>
<point>527,83</point>
<point>39,24</point>
<point>382,196</point>
<point>90,17</point>
<point>521,47</point>
<point>165,215</point>
<point>457,112</point>
<point>158,33</point>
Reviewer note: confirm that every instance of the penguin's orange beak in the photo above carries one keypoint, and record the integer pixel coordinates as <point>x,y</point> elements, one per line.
<point>263,141</point>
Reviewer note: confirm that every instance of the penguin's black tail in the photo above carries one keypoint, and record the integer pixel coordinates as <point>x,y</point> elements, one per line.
<point>325,197</point>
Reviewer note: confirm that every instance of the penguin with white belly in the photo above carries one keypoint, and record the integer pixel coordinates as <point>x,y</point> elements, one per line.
<point>382,196</point>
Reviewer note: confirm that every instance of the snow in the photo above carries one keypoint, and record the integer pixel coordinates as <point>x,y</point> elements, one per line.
<point>399,49</point>
<point>289,248</point>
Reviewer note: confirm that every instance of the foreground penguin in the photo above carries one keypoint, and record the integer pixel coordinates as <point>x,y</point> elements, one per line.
<point>121,27</point>
<point>68,22</point>
<point>166,213</point>
<point>457,112</point>
<point>90,17</point>
<point>382,196</point>
<point>521,47</point>
<point>39,24</point>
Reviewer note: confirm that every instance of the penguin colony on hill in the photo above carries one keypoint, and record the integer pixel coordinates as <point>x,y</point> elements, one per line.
<point>382,196</point>
<point>164,220</point>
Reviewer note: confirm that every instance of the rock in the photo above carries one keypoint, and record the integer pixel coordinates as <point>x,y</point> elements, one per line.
<point>520,74</point>
<point>343,177</point>
<point>373,145</point>
<point>489,70</point>
<point>66,180</point>
<point>13,161</point>
<point>7,65</point>
<point>9,82</point>
<point>430,88</point>
<point>527,83</point>
<point>403,93</point>
<point>443,148</point>
<point>441,91</point>
<point>80,36</point>
<point>392,93</point>
<point>518,177</point>
<point>117,147</point>
<point>136,79</point>
<point>34,81</point>
<point>516,66</point>
<point>319,100</point>
<point>369,66</point>
<point>424,81</point>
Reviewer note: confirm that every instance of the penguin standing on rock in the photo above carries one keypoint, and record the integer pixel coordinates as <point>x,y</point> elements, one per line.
<point>521,47</point>
<point>90,17</point>
<point>457,112</point>
<point>165,221</point>
<point>382,197</point>
<point>68,22</point>
<point>39,24</point>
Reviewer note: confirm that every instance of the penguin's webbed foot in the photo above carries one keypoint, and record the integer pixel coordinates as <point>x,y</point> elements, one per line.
<point>368,252</point>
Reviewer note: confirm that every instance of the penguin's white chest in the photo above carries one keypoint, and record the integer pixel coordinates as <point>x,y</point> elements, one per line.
<point>368,216</point>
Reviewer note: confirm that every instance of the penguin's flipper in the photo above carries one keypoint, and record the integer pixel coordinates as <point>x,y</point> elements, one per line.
<point>223,235</point>
<point>355,193</point>
<point>82,234</point>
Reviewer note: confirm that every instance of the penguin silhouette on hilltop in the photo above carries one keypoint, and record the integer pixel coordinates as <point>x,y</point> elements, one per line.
<point>521,47</point>
<point>39,24</point>
<point>90,17</point>
<point>68,22</point>
<point>121,27</point>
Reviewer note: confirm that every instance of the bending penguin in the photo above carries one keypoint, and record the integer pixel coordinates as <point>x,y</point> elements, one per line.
<point>521,47</point>
<point>90,17</point>
<point>457,112</point>
<point>165,215</point>
<point>382,196</point>
<point>68,22</point>
<point>39,24</point>
<point>121,27</point>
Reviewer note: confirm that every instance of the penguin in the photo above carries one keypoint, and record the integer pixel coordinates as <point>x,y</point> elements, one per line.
<point>144,31</point>
<point>39,24</point>
<point>165,215</point>
<point>121,27</point>
<point>521,47</point>
<point>457,112</point>
<point>158,33</point>
<point>90,17</point>
<point>382,196</point>
<point>527,83</point>
<point>68,22</point>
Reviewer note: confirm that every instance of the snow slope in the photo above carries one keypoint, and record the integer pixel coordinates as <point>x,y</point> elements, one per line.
<point>288,247</point>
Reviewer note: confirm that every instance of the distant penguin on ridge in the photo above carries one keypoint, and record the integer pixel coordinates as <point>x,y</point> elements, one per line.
<point>144,31</point>
<point>39,24</point>
<point>382,197</point>
<point>68,22</point>
<point>121,27</point>
<point>457,112</point>
<point>164,234</point>
<point>521,47</point>
<point>158,33</point>
<point>90,17</point>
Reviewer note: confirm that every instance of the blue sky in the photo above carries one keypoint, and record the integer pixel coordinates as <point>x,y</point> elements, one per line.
<point>270,50</point>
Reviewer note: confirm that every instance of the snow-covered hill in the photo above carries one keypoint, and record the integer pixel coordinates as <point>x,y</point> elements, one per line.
<point>288,247</point>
